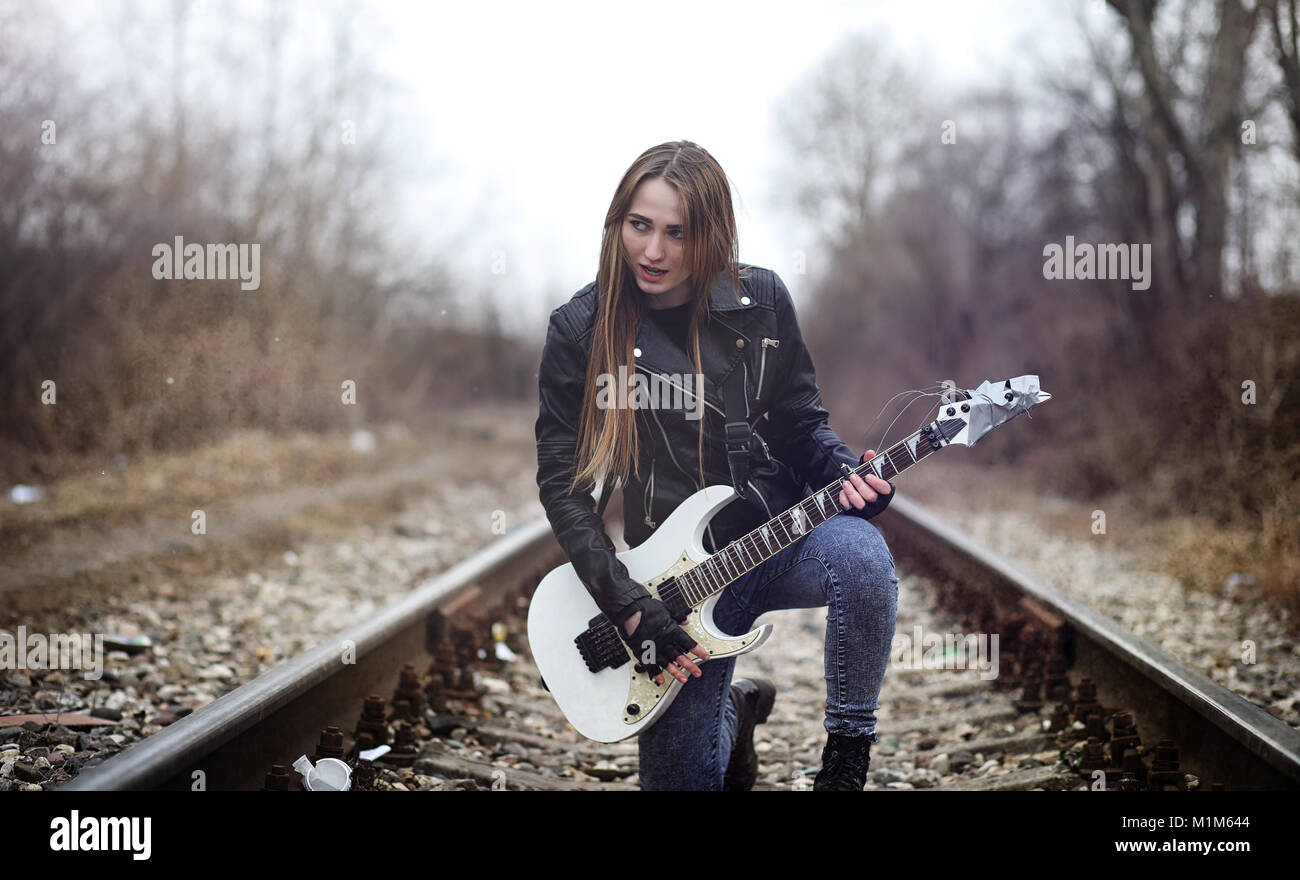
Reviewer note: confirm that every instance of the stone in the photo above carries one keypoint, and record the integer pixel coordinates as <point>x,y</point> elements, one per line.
<point>887,775</point>
<point>27,772</point>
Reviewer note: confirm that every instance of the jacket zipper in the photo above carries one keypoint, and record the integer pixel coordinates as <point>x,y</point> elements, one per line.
<point>668,445</point>
<point>762,362</point>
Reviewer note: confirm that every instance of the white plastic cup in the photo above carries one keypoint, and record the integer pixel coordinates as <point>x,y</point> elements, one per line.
<point>329,774</point>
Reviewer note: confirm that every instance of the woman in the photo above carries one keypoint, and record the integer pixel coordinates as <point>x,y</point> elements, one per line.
<point>672,303</point>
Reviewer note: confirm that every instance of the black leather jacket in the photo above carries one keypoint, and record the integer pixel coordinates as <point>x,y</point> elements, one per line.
<point>793,452</point>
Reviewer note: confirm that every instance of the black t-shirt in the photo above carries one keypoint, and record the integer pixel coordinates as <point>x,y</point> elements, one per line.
<point>675,322</point>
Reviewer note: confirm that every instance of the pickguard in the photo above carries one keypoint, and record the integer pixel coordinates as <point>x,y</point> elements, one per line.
<point>642,692</point>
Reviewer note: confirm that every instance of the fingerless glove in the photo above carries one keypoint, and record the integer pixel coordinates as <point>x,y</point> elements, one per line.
<point>873,507</point>
<point>658,640</point>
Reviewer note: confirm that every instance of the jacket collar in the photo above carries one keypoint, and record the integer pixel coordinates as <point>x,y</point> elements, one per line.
<point>724,298</point>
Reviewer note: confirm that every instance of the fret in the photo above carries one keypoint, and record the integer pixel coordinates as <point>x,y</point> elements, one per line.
<point>706,577</point>
<point>781,523</point>
<point>727,567</point>
<point>718,572</point>
<point>900,450</point>
<point>799,519</point>
<point>832,503</point>
<point>737,559</point>
<point>816,509</point>
<point>746,556</point>
<point>687,587</point>
<point>883,469</point>
<point>885,465</point>
<point>752,550</point>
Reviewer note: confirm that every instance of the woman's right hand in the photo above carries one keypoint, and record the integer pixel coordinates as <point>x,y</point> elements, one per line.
<point>682,667</point>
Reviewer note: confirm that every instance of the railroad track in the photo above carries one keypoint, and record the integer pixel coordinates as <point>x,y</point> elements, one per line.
<point>1077,701</point>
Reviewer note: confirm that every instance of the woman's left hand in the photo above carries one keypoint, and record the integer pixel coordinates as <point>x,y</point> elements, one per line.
<point>859,492</point>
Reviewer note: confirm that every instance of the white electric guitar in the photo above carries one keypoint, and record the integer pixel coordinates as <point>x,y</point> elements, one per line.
<point>604,690</point>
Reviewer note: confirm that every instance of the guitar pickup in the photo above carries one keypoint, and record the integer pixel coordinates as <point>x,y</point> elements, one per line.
<point>673,600</point>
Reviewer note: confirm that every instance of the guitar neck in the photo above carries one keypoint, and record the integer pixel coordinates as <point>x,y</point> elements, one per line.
<point>752,550</point>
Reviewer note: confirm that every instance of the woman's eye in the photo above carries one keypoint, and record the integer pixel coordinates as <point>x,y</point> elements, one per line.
<point>678,234</point>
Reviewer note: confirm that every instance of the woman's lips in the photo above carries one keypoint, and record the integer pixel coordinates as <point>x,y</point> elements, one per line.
<point>652,276</point>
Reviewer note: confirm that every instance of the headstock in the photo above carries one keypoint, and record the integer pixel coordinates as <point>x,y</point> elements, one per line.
<point>982,409</point>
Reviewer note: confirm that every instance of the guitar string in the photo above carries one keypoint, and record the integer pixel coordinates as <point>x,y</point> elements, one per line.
<point>709,567</point>
<point>721,566</point>
<point>715,568</point>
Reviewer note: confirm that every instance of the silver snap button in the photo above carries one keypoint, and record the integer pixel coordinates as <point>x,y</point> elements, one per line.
<point>740,343</point>
<point>636,352</point>
<point>744,300</point>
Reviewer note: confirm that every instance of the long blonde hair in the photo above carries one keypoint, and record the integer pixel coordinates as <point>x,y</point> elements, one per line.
<point>607,437</point>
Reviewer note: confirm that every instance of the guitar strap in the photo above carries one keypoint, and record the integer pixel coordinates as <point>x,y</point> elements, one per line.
<point>738,434</point>
<point>738,431</point>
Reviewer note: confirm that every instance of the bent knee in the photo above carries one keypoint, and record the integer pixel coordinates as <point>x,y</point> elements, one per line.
<point>859,540</point>
<point>859,547</point>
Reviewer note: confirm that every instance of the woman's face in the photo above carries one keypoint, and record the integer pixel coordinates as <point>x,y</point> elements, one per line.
<point>654,238</point>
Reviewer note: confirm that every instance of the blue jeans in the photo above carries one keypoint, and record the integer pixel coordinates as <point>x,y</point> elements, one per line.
<point>843,564</point>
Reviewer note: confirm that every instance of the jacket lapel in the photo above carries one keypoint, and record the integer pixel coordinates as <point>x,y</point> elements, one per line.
<point>719,353</point>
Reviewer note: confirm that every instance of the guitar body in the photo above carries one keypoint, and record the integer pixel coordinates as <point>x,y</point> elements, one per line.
<point>614,704</point>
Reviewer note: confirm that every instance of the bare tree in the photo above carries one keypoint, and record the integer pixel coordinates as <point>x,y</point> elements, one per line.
<point>847,129</point>
<point>1204,148</point>
<point>1285,29</point>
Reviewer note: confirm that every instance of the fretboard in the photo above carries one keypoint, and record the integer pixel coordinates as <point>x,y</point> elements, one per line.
<point>752,550</point>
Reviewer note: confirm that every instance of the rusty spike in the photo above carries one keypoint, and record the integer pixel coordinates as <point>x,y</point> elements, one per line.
<point>1164,768</point>
<point>277,779</point>
<point>330,744</point>
<point>408,688</point>
<point>1094,755</point>
<point>372,720</point>
<point>403,752</point>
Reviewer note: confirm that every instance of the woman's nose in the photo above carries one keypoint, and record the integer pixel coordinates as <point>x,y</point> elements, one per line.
<point>654,249</point>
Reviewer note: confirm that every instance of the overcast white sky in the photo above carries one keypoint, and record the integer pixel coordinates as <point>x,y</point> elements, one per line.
<point>541,107</point>
<point>519,118</point>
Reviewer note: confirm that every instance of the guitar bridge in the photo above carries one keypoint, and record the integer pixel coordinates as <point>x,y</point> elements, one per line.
<point>600,645</point>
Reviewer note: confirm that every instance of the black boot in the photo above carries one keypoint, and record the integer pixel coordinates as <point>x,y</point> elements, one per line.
<point>753,701</point>
<point>845,761</point>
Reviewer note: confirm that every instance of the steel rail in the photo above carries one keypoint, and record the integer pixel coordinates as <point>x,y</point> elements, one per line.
<point>1221,735</point>
<point>227,740</point>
